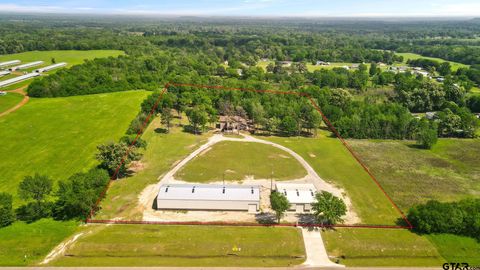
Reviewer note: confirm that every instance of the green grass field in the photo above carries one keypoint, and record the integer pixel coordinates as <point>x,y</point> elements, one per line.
<point>456,248</point>
<point>9,100</point>
<point>408,173</point>
<point>162,152</point>
<point>151,245</point>
<point>413,56</point>
<point>374,247</point>
<point>334,164</point>
<point>72,57</point>
<point>239,160</point>
<point>27,244</point>
<point>58,136</point>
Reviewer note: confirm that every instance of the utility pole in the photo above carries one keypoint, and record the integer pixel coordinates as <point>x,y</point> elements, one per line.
<point>224,178</point>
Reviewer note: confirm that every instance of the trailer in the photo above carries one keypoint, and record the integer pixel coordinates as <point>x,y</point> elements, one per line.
<point>18,79</point>
<point>4,72</point>
<point>27,65</point>
<point>48,68</point>
<point>9,63</point>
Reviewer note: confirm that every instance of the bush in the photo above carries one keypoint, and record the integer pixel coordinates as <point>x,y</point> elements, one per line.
<point>34,211</point>
<point>7,216</point>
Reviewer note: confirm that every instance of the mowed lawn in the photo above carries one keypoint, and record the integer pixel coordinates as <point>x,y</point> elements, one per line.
<point>413,56</point>
<point>58,136</point>
<point>240,160</point>
<point>333,163</point>
<point>163,150</point>
<point>380,247</point>
<point>24,244</point>
<point>450,171</point>
<point>9,100</point>
<point>153,245</point>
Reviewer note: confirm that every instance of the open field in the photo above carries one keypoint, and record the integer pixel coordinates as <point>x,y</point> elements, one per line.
<point>162,152</point>
<point>72,57</point>
<point>407,56</point>
<point>239,160</point>
<point>147,245</point>
<point>27,244</point>
<point>58,136</point>
<point>9,100</point>
<point>374,247</point>
<point>333,163</point>
<point>456,248</point>
<point>408,173</point>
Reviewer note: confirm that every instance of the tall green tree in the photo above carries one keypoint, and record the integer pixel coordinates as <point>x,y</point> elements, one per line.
<point>115,156</point>
<point>7,215</point>
<point>36,188</point>
<point>279,203</point>
<point>427,134</point>
<point>328,209</point>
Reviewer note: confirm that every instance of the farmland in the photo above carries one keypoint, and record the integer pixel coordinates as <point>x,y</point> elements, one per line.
<point>185,246</point>
<point>413,56</point>
<point>9,100</point>
<point>238,160</point>
<point>58,136</point>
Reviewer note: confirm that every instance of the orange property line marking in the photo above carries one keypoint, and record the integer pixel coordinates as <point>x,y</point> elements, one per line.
<point>278,92</point>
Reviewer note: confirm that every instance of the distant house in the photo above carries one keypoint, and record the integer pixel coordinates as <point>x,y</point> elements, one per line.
<point>430,115</point>
<point>232,124</point>
<point>439,79</point>
<point>300,196</point>
<point>355,66</point>
<point>285,63</point>
<point>322,63</point>
<point>346,67</point>
<point>209,197</point>
<point>3,93</point>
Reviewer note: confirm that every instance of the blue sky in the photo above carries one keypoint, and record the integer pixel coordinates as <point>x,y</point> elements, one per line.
<point>294,8</point>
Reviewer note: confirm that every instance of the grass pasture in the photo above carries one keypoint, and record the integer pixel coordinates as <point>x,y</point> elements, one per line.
<point>456,248</point>
<point>58,136</point>
<point>9,100</point>
<point>27,244</point>
<point>239,160</point>
<point>413,56</point>
<point>150,245</point>
<point>408,173</point>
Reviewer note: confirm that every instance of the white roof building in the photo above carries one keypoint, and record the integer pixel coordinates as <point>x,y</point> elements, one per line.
<point>209,197</point>
<point>4,72</point>
<point>27,65</point>
<point>48,68</point>
<point>9,63</point>
<point>18,79</point>
<point>300,196</point>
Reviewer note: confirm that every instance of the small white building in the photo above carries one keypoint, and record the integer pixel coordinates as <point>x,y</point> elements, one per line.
<point>209,197</point>
<point>300,196</point>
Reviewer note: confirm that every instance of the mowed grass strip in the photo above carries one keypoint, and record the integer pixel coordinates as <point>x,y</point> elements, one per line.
<point>332,161</point>
<point>240,160</point>
<point>413,56</point>
<point>380,247</point>
<point>24,244</point>
<point>163,150</point>
<point>448,172</point>
<point>58,136</point>
<point>9,100</point>
<point>455,248</point>
<point>152,245</point>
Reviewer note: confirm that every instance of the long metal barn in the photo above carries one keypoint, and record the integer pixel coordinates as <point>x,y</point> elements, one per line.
<point>209,197</point>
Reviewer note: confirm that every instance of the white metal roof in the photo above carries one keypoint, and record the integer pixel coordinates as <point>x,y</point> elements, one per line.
<point>18,79</point>
<point>209,192</point>
<point>4,72</point>
<point>54,66</point>
<point>27,65</point>
<point>9,63</point>
<point>297,193</point>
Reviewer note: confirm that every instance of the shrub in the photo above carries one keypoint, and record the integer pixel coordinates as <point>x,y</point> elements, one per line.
<point>6,211</point>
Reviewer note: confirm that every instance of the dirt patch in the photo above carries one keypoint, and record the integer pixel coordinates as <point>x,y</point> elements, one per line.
<point>136,166</point>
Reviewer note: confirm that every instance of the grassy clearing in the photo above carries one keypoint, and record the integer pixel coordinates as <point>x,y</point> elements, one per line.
<point>162,152</point>
<point>408,173</point>
<point>148,245</point>
<point>72,57</point>
<point>58,136</point>
<point>239,160</point>
<point>9,100</point>
<point>456,248</point>
<point>27,244</point>
<point>413,56</point>
<point>373,247</point>
<point>334,164</point>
